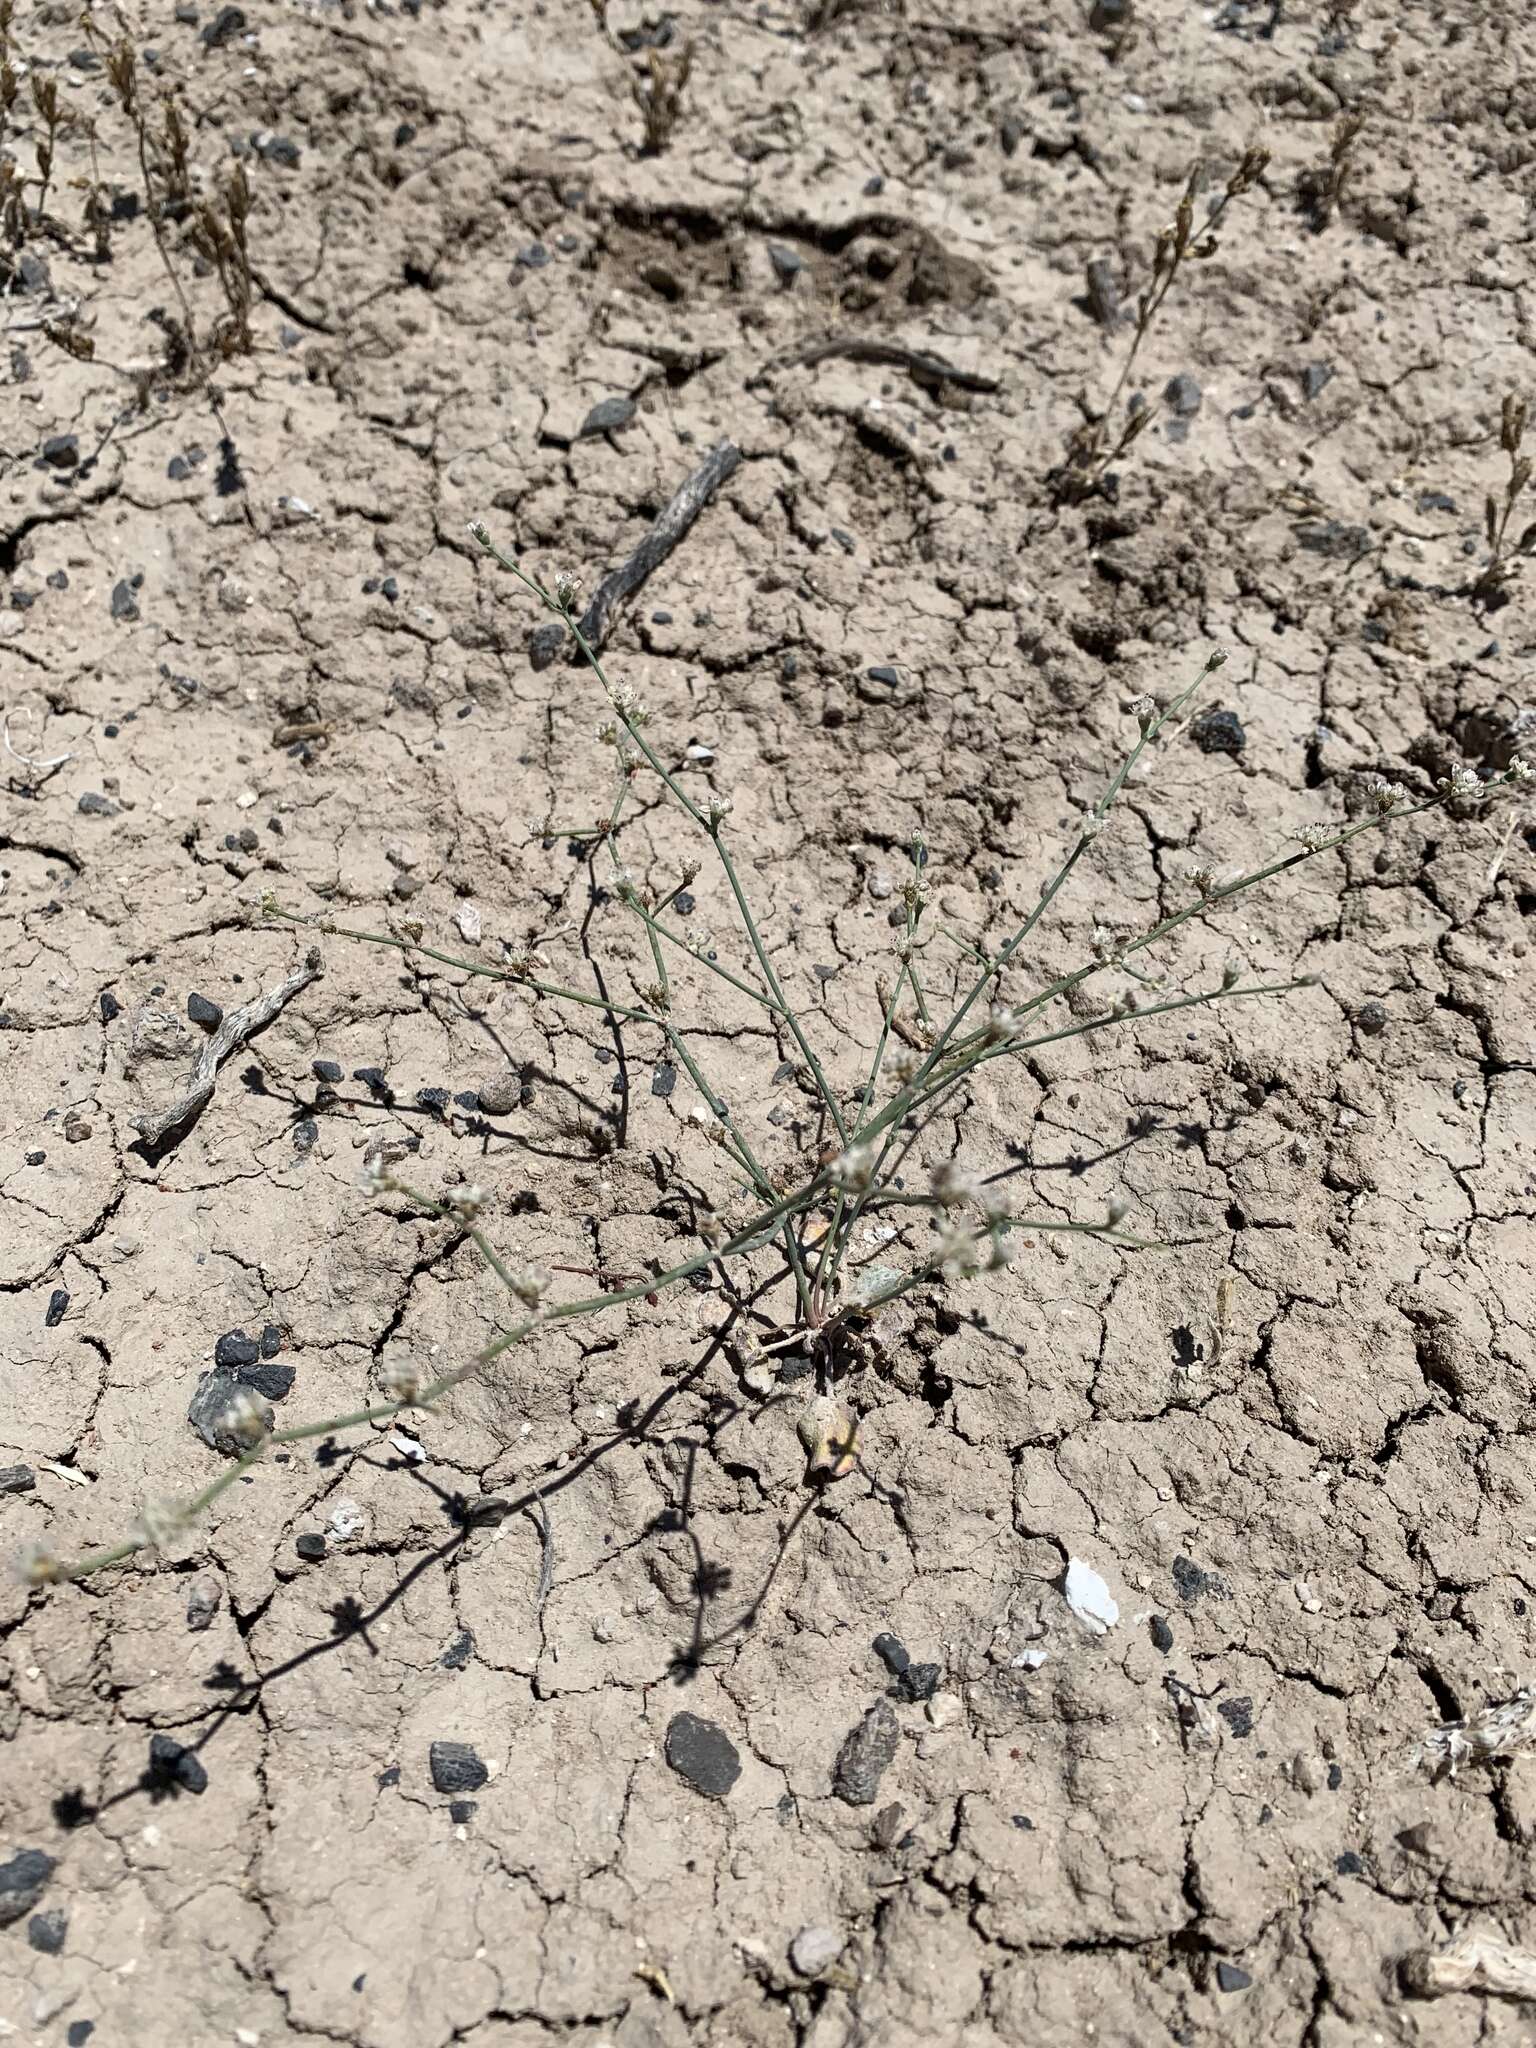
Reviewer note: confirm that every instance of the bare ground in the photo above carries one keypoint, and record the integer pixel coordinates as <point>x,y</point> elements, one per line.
<point>276,664</point>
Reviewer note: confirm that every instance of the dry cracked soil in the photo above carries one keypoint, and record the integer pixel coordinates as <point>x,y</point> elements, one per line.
<point>556,1715</point>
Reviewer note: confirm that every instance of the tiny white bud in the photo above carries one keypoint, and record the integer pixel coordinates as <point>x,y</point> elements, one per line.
<point>244,1420</point>
<point>1115,1212</point>
<point>531,1285</point>
<point>853,1170</point>
<point>567,590</point>
<point>37,1565</point>
<point>401,1378</point>
<point>480,532</point>
<point>952,1185</point>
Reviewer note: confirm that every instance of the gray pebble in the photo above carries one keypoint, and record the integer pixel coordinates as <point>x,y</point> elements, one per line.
<point>607,416</point>
<point>866,1756</point>
<point>23,1880</point>
<point>210,1404</point>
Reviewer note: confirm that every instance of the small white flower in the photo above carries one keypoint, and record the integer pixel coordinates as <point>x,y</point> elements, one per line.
<point>1003,1024</point>
<point>1103,945</point>
<point>531,1285</point>
<point>375,1178</point>
<point>1461,782</point>
<point>567,590</point>
<point>401,1378</point>
<point>718,808</point>
<point>478,531</point>
<point>956,1253</point>
<point>1314,837</point>
<point>1204,878</point>
<point>1386,796</point>
<point>466,1202</point>
<point>608,733</point>
<point>37,1565</point>
<point>1092,826</point>
<point>1520,773</point>
<point>1144,711</point>
<point>953,1186</point>
<point>160,1523</point>
<point>906,1062</point>
<point>244,1420</point>
<point>853,1170</point>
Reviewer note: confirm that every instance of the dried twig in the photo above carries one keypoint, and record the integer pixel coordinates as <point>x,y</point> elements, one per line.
<point>1492,1732</point>
<point>672,523</point>
<point>927,369</point>
<point>1472,1962</point>
<point>161,1127</point>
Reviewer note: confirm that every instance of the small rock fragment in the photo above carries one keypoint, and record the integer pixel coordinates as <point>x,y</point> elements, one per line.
<point>208,1411</point>
<point>76,1129</point>
<point>892,1653</point>
<point>1089,1598</point>
<point>58,1303</point>
<point>814,1949</point>
<point>202,1010</point>
<point>203,1604</point>
<point>467,918</point>
<point>17,1479</point>
<point>93,804</point>
<point>1162,1634</point>
<point>919,1682</point>
<point>311,1546</point>
<point>1193,1583</point>
<point>46,1931</point>
<point>1230,1978</point>
<point>172,1763</point>
<point>227,23</point>
<point>499,1094</point>
<point>943,1709</point>
<point>1182,394</point>
<point>235,1348</point>
<point>23,1880</point>
<point>61,451</point>
<point>787,263</point>
<point>1314,377</point>
<point>458,1652</point>
<point>606,417</point>
<point>1218,731</point>
<point>866,1756</point>
<point>1372,1019</point>
<point>456,1767</point>
<point>462,1811</point>
<point>125,606</point>
<point>701,1752</point>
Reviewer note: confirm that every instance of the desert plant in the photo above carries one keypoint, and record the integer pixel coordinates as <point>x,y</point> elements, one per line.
<point>1097,444</point>
<point>1497,512</point>
<point>831,1290</point>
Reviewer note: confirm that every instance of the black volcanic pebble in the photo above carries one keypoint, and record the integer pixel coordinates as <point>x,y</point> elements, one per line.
<point>203,1010</point>
<point>892,1652</point>
<point>1218,731</point>
<point>701,1752</point>
<point>919,1682</point>
<point>23,1880</point>
<point>310,1546</point>
<point>235,1348</point>
<point>1162,1634</point>
<point>456,1767</point>
<point>58,1303</point>
<point>172,1763</point>
<point>1230,1978</point>
<point>17,1479</point>
<point>325,1070</point>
